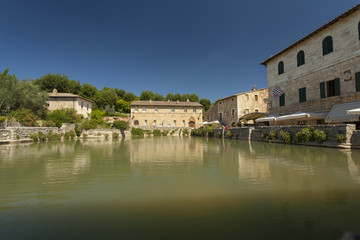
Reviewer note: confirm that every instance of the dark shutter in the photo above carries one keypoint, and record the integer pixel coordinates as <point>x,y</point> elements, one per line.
<point>282,100</point>
<point>357,79</point>
<point>322,90</point>
<point>302,94</point>
<point>337,86</point>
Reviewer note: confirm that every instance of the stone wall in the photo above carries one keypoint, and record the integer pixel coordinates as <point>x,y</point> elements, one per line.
<point>102,133</point>
<point>355,139</point>
<point>19,133</point>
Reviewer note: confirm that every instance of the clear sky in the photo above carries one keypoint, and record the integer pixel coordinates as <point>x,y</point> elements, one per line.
<point>210,47</point>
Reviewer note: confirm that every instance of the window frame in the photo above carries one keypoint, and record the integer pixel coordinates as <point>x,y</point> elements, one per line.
<point>328,45</point>
<point>281,68</point>
<point>300,58</point>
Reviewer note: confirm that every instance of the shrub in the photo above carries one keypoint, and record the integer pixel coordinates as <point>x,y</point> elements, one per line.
<point>285,136</point>
<point>340,138</point>
<point>87,124</point>
<point>97,116</point>
<point>120,124</point>
<point>164,133</point>
<point>84,135</point>
<point>106,136</point>
<point>305,135</point>
<point>210,131</point>
<point>42,136</point>
<point>49,135</point>
<point>180,130</point>
<point>98,134</point>
<point>61,116</point>
<point>137,132</point>
<point>172,132</point>
<point>148,132</point>
<point>34,137</point>
<point>56,136</point>
<point>220,133</point>
<point>72,134</point>
<point>77,130</point>
<point>67,136</point>
<point>25,116</point>
<point>157,133</point>
<point>185,132</point>
<point>17,137</point>
<point>264,136</point>
<point>272,136</point>
<point>2,119</point>
<point>229,134</point>
<point>320,136</point>
<point>115,135</point>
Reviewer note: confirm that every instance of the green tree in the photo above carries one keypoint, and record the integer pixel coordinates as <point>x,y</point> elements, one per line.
<point>170,96</point>
<point>120,124</point>
<point>88,91</point>
<point>106,97</point>
<point>120,92</point>
<point>147,95</point>
<point>158,97</point>
<point>122,106</point>
<point>9,86</point>
<point>97,116</point>
<point>185,97</point>
<point>60,82</point>
<point>177,97</point>
<point>193,98</point>
<point>129,97</point>
<point>61,116</point>
<point>206,104</point>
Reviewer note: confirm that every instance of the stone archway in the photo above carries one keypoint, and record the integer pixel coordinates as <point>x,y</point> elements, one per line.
<point>136,123</point>
<point>191,122</point>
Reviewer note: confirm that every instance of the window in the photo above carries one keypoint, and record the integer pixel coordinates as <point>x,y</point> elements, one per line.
<point>281,68</point>
<point>194,110</point>
<point>136,123</point>
<point>233,112</point>
<point>136,109</point>
<point>359,30</point>
<point>302,94</point>
<point>156,109</point>
<point>174,123</point>
<point>300,58</point>
<point>220,117</point>
<point>172,110</point>
<point>154,123</point>
<point>256,110</point>
<point>87,106</point>
<point>144,109</point>
<point>256,98</point>
<point>330,88</point>
<point>183,123</point>
<point>357,79</point>
<point>82,105</point>
<point>282,100</point>
<point>327,45</point>
<point>185,110</point>
<point>145,122</point>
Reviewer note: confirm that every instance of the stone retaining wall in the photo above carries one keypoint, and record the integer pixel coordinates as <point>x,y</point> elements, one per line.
<point>17,133</point>
<point>95,133</point>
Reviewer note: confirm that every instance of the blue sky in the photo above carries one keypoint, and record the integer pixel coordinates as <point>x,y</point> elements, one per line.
<point>210,47</point>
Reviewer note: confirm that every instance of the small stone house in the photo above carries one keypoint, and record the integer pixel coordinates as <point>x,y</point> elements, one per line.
<point>317,74</point>
<point>68,100</point>
<point>155,114</point>
<point>229,110</point>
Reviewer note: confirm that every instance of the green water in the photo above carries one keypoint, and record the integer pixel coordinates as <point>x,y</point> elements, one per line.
<point>177,188</point>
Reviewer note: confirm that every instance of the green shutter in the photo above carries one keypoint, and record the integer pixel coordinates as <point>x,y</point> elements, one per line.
<point>302,94</point>
<point>337,86</point>
<point>357,79</point>
<point>322,90</point>
<point>282,100</point>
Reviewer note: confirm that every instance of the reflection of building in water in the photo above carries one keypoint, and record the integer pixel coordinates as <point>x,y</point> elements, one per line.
<point>354,167</point>
<point>253,169</point>
<point>166,149</point>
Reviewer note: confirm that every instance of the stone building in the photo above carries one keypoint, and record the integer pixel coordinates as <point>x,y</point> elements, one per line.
<point>228,110</point>
<point>317,73</point>
<point>68,100</point>
<point>154,114</point>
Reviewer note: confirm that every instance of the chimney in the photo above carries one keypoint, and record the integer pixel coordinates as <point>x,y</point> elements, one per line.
<point>187,100</point>
<point>150,100</point>
<point>177,101</point>
<point>253,88</point>
<point>168,100</point>
<point>55,92</point>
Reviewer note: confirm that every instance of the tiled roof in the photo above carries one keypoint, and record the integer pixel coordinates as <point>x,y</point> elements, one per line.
<point>345,14</point>
<point>165,103</point>
<point>66,95</point>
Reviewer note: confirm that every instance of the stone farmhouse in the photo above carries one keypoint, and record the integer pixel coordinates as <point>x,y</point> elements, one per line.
<point>155,114</point>
<point>68,100</point>
<point>230,109</point>
<point>319,75</point>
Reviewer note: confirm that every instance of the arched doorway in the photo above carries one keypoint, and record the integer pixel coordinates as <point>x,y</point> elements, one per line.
<point>136,123</point>
<point>192,122</point>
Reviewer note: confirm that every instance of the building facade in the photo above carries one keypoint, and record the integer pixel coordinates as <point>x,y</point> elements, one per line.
<point>318,71</point>
<point>228,110</point>
<point>154,114</point>
<point>69,101</point>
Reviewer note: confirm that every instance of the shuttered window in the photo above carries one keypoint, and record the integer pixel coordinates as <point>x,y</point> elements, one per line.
<point>282,100</point>
<point>302,94</point>
<point>322,90</point>
<point>357,79</point>
<point>327,45</point>
<point>300,58</point>
<point>337,87</point>
<point>281,67</point>
<point>359,30</point>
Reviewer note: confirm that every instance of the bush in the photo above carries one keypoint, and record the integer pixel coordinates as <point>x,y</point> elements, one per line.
<point>48,123</point>
<point>210,131</point>
<point>25,116</point>
<point>77,130</point>
<point>49,135</point>
<point>87,124</point>
<point>285,136</point>
<point>185,132</point>
<point>164,133</point>
<point>172,132</point>
<point>42,136</point>
<point>115,135</point>
<point>72,134</point>
<point>2,119</point>
<point>148,132</point>
<point>272,136</point>
<point>220,133</point>
<point>120,124</point>
<point>56,137</point>
<point>305,135</point>
<point>340,138</point>
<point>229,134</point>
<point>320,136</point>
<point>97,116</point>
<point>61,116</point>
<point>84,135</point>
<point>67,136</point>
<point>34,137</point>
<point>137,132</point>
<point>17,137</point>
<point>157,133</point>
<point>106,136</point>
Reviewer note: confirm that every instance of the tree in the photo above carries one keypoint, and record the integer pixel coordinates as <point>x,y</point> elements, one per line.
<point>120,124</point>
<point>9,86</point>
<point>129,97</point>
<point>88,91</point>
<point>61,116</point>
<point>147,95</point>
<point>158,97</point>
<point>177,97</point>
<point>185,97</point>
<point>122,106</point>
<point>105,97</point>
<point>170,96</point>
<point>206,104</point>
<point>97,116</point>
<point>193,98</point>
<point>60,82</point>
<point>120,92</point>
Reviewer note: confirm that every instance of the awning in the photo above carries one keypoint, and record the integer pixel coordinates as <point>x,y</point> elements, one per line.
<point>339,113</point>
<point>253,116</point>
<point>204,123</point>
<point>269,118</point>
<point>210,123</point>
<point>355,111</point>
<point>301,115</point>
